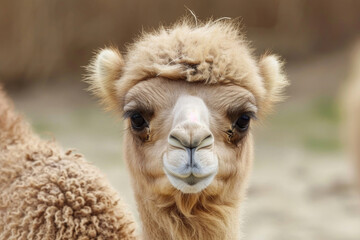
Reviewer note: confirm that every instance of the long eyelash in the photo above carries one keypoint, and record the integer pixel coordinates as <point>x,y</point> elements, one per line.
<point>235,113</point>
<point>252,115</point>
<point>128,114</point>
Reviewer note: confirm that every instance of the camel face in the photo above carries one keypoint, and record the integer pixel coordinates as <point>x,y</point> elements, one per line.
<point>188,95</point>
<point>191,136</point>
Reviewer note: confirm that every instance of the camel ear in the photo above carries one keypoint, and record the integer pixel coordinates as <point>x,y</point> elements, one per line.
<point>275,81</point>
<point>102,73</point>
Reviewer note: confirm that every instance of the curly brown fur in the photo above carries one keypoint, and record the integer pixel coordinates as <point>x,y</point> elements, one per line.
<point>49,193</point>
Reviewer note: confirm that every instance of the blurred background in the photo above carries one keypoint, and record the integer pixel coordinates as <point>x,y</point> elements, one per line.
<point>303,184</point>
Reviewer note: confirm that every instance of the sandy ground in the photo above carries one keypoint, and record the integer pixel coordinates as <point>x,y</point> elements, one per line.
<point>302,184</point>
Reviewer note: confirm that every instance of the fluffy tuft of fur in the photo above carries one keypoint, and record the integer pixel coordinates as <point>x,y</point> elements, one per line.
<point>213,52</point>
<point>103,71</point>
<point>49,193</point>
<point>275,81</point>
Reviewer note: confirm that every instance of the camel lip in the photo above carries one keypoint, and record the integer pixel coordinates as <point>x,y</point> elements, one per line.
<point>191,179</point>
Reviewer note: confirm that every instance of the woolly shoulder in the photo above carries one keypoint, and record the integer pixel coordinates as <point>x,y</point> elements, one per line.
<point>61,196</point>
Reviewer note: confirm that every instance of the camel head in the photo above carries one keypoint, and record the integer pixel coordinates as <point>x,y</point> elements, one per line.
<point>190,95</point>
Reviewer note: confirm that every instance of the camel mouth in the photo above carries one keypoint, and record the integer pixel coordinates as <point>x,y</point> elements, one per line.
<point>192,180</point>
<point>190,174</point>
<point>191,183</point>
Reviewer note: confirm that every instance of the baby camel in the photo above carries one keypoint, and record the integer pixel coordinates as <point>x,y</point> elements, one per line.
<point>189,94</point>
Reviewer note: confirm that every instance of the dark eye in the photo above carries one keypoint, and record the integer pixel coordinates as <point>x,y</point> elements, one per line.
<point>137,122</point>
<point>243,122</point>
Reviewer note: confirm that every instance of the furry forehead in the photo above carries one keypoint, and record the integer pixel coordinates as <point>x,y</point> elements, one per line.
<point>214,52</point>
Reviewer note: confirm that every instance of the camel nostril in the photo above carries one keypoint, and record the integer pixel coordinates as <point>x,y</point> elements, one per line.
<point>190,135</point>
<point>208,137</point>
<point>206,141</point>
<point>173,137</point>
<point>190,140</point>
<point>177,142</point>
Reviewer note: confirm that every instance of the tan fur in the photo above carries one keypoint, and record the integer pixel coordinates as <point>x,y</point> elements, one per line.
<point>212,52</point>
<point>48,193</point>
<point>212,61</point>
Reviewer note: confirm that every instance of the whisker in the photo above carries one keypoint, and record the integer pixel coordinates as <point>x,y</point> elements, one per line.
<point>193,14</point>
<point>222,18</point>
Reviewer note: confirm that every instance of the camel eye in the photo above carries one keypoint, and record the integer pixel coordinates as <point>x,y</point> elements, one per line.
<point>243,122</point>
<point>138,123</point>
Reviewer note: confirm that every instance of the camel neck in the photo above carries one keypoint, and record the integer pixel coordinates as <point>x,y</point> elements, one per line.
<point>191,217</point>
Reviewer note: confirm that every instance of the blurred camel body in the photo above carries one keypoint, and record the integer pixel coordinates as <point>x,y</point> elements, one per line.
<point>189,95</point>
<point>48,193</point>
<point>352,106</point>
